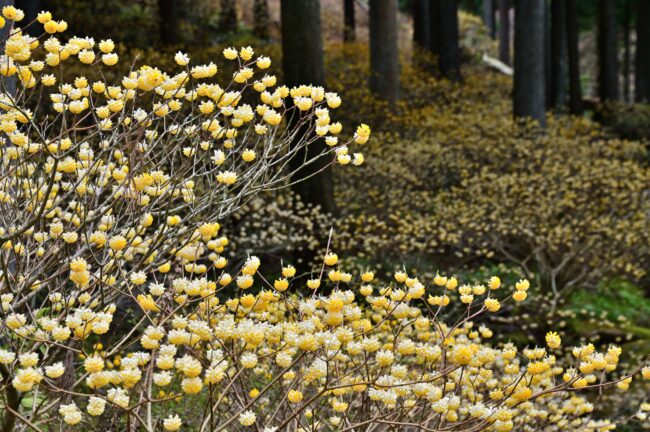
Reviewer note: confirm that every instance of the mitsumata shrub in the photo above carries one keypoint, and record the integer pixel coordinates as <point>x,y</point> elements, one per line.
<point>120,309</point>
<point>458,181</point>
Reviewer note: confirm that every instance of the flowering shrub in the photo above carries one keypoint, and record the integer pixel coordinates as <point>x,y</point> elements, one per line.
<point>111,198</point>
<point>108,185</point>
<point>467,185</point>
<point>627,120</point>
<point>368,353</point>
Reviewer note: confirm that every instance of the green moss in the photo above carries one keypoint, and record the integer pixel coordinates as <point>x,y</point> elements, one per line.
<point>616,298</point>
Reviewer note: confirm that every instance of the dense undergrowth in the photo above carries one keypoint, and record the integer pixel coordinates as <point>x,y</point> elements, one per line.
<point>132,291</point>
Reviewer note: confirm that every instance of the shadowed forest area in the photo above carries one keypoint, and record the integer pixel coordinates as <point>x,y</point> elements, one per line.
<point>325,215</point>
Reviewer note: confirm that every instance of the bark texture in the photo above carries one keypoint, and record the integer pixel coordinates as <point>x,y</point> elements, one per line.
<point>384,60</point>
<point>529,82</point>
<point>607,51</point>
<point>302,62</point>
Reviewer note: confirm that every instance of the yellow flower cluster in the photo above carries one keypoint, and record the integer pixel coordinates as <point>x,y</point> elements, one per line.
<point>115,186</point>
<point>365,345</point>
<point>466,183</point>
<point>118,299</point>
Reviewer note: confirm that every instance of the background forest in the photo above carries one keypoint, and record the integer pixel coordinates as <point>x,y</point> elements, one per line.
<point>508,137</point>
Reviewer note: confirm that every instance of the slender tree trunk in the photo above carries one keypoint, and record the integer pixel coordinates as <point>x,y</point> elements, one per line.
<point>434,27</point>
<point>12,397</point>
<point>607,51</point>
<point>302,62</point>
<point>529,79</point>
<point>449,60</point>
<point>168,13</point>
<point>558,54</point>
<point>349,22</point>
<point>228,17</point>
<point>421,29</point>
<point>575,87</point>
<point>488,16</point>
<point>504,31</point>
<point>421,36</point>
<point>261,19</point>
<point>384,60</point>
<point>642,63</point>
<point>627,42</point>
<point>547,53</point>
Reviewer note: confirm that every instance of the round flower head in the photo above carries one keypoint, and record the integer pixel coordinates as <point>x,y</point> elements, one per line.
<point>172,423</point>
<point>181,59</point>
<point>247,418</point>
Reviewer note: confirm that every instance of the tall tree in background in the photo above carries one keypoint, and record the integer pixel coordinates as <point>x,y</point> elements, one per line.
<point>504,31</point>
<point>529,82</point>
<point>547,53</point>
<point>488,16</point>
<point>168,14</point>
<point>421,25</point>
<point>607,51</point>
<point>573,53</point>
<point>558,90</point>
<point>449,60</point>
<point>349,22</point>
<point>434,27</point>
<point>261,19</point>
<point>627,48</point>
<point>384,59</point>
<point>302,62</point>
<point>228,17</point>
<point>642,62</point>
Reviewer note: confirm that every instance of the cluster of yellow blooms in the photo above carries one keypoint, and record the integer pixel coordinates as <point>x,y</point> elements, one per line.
<point>110,191</point>
<point>367,352</point>
<point>148,110</point>
<point>114,194</point>
<point>468,184</point>
<point>115,173</point>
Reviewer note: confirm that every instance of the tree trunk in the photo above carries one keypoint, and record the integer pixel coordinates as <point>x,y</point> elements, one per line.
<point>228,17</point>
<point>434,27</point>
<point>349,22</point>
<point>488,16</point>
<point>302,63</point>
<point>642,63</point>
<point>575,87</point>
<point>421,36</point>
<point>504,31</point>
<point>627,42</point>
<point>168,13</point>
<point>384,60</point>
<point>547,54</point>
<point>12,397</point>
<point>558,54</point>
<point>607,51</point>
<point>449,60</point>
<point>529,83</point>
<point>261,19</point>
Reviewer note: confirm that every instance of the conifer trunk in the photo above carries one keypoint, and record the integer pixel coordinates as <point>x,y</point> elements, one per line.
<point>302,62</point>
<point>529,81</point>
<point>607,51</point>
<point>384,60</point>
